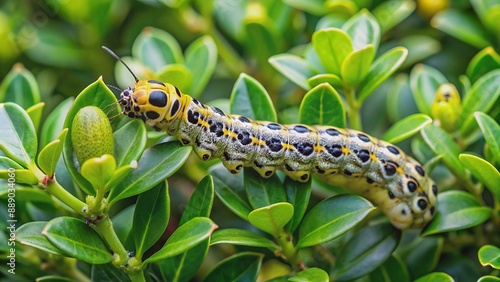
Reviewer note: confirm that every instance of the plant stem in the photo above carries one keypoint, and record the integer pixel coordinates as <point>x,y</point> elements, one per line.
<point>289,251</point>
<point>56,190</point>
<point>354,107</point>
<point>105,228</point>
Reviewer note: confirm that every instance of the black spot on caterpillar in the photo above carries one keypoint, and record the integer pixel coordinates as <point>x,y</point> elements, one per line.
<point>377,170</point>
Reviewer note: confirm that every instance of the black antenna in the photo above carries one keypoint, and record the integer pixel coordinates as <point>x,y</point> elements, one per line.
<point>119,59</point>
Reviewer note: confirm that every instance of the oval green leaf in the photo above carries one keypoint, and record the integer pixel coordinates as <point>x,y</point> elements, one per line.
<point>18,139</point>
<point>30,234</point>
<point>332,46</point>
<point>392,270</point>
<point>178,74</point>
<point>489,255</point>
<point>98,171</point>
<point>184,238</point>
<point>201,59</point>
<point>272,218</point>
<point>485,172</point>
<point>53,124</point>
<point>156,164</point>
<point>406,128</point>
<point>366,251</point>
<point>243,266</point>
<point>424,81</point>
<point>391,13</point>
<point>293,67</point>
<point>77,239</point>
<point>363,29</point>
<point>35,114</point>
<point>442,144</point>
<point>483,95</point>
<point>462,26</point>
<point>457,210</point>
<point>491,133</point>
<point>262,192</point>
<point>329,78</point>
<point>356,65</point>
<point>201,201</point>
<point>482,63</point>
<point>332,218</point>
<point>130,141</point>
<point>49,155</point>
<point>297,194</point>
<point>230,190</point>
<point>151,215</point>
<point>436,277</point>
<point>156,49</point>
<point>241,237</point>
<point>250,99</point>
<point>312,274</point>
<point>381,69</point>
<point>322,105</point>
<point>20,87</point>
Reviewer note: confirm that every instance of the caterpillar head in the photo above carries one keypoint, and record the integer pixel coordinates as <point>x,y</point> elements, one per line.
<point>150,100</point>
<point>415,206</point>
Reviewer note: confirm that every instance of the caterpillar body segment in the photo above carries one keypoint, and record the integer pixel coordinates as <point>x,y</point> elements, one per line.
<point>373,168</point>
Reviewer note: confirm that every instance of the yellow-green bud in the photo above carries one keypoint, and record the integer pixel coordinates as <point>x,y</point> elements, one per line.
<point>446,106</point>
<point>91,134</point>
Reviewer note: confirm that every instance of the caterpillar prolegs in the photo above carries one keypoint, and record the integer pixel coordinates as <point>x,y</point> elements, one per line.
<point>373,168</point>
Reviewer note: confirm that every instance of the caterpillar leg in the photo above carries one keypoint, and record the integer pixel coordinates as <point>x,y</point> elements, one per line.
<point>233,166</point>
<point>202,153</point>
<point>265,171</point>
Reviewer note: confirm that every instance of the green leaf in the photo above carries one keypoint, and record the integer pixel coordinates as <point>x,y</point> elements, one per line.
<point>422,255</point>
<point>177,73</point>
<point>77,239</point>
<point>230,190</point>
<point>482,63</point>
<point>381,69</point>
<point>356,65</point>
<point>424,82</point>
<point>485,172</point>
<point>201,59</point>
<point>488,278</point>
<point>156,49</point>
<point>96,94</point>
<point>184,238</point>
<point>363,29</point>
<point>332,218</point>
<point>482,97</point>
<point>332,46</point>
<point>261,37</point>
<point>241,237</point>
<point>272,218</point>
<point>152,212</point>
<point>457,210</point>
<point>315,7</point>
<point>297,194</point>
<point>312,274</point>
<point>119,175</point>
<point>491,133</point>
<point>201,201</point>
<point>98,171</point>
<point>442,144</point>
<point>393,269</point>
<point>391,13</point>
<point>130,141</point>
<point>366,251</point>
<point>20,87</point>
<point>489,256</point>
<point>329,78</point>
<point>18,139</point>
<point>436,277</point>
<point>250,99</point>
<point>183,267</point>
<point>30,234</point>
<point>107,272</point>
<point>420,47</point>
<point>53,124</point>
<point>21,176</point>
<point>262,191</point>
<point>49,155</point>
<point>406,128</point>
<point>462,26</point>
<point>293,67</point>
<point>322,105</point>
<point>35,114</point>
<point>243,266</point>
<point>156,164</point>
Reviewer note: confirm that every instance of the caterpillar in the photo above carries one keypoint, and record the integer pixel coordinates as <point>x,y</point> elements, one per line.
<point>375,169</point>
